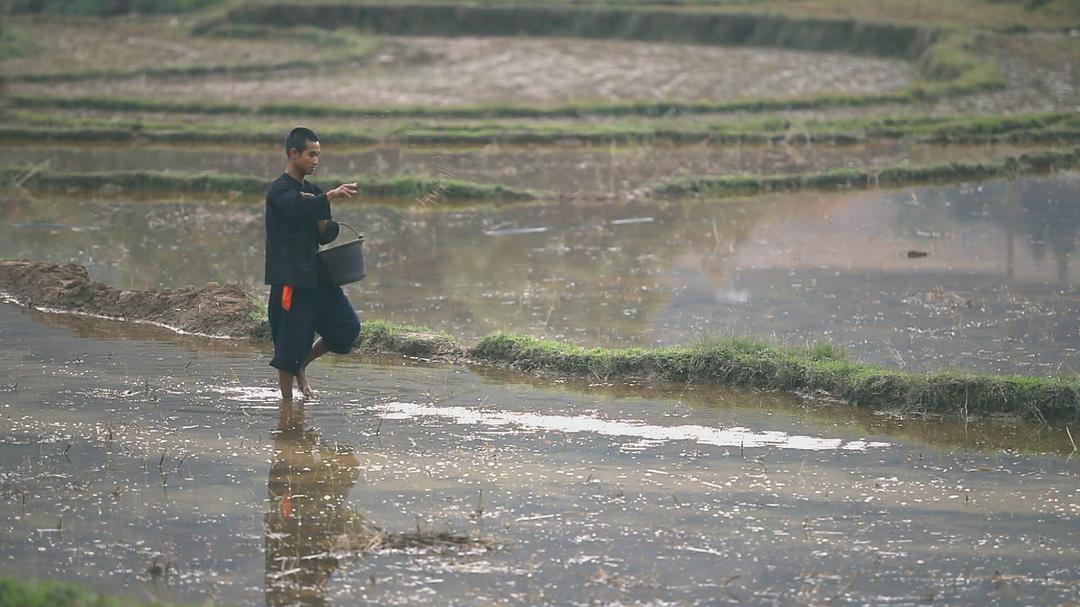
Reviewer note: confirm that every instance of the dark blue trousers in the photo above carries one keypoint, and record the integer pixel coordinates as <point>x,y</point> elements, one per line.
<point>324,310</point>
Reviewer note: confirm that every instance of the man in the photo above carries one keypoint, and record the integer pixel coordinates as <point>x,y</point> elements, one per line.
<point>303,299</point>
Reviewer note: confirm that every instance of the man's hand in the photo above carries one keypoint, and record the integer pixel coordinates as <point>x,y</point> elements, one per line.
<point>345,190</point>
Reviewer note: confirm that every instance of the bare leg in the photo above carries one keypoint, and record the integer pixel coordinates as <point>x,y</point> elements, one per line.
<point>285,381</point>
<point>301,378</point>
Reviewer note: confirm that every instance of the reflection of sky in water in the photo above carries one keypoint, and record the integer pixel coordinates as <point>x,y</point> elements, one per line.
<point>647,433</point>
<point>996,290</point>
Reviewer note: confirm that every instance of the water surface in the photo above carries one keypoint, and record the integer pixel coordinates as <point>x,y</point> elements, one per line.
<point>969,277</point>
<point>122,456</point>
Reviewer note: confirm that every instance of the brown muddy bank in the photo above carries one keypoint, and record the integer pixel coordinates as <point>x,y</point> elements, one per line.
<point>214,310</point>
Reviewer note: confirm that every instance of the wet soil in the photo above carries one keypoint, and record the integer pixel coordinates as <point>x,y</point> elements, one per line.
<point>124,45</point>
<point>213,310</point>
<point>464,71</point>
<point>116,455</point>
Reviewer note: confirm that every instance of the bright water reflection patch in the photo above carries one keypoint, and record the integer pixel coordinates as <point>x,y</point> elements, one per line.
<point>649,434</point>
<point>251,394</point>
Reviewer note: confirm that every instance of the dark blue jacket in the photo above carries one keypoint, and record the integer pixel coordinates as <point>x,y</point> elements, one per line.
<point>292,233</point>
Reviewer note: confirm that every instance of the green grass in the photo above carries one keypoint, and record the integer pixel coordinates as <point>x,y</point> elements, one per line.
<point>46,593</point>
<point>16,42</point>
<point>741,362</point>
<point>1060,127</point>
<point>822,370</point>
<point>741,185</point>
<point>496,110</point>
<point>382,336</point>
<point>396,189</point>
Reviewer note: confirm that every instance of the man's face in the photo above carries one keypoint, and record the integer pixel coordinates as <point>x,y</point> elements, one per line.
<point>306,160</point>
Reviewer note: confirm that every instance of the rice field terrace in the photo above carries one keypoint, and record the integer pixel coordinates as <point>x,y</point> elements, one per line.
<point>668,303</point>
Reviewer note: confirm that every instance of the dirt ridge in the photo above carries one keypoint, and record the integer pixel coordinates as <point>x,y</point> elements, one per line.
<point>214,310</point>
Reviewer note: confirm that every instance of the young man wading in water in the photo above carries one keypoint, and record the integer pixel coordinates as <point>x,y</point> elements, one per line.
<point>303,299</point>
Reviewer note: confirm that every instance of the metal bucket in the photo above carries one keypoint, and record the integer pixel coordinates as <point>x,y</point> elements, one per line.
<point>344,262</point>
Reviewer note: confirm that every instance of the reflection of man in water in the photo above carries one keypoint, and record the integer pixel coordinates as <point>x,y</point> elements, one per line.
<point>309,481</point>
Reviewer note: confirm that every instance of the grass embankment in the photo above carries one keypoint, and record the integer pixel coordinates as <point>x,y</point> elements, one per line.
<point>741,185</point>
<point>1016,15</point>
<point>822,371</point>
<point>396,189</point>
<point>495,110</point>
<point>46,593</point>
<point>1057,127</point>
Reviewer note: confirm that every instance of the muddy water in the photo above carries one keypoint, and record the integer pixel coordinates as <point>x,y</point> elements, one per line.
<point>122,458</point>
<point>996,290</point>
<point>569,169</point>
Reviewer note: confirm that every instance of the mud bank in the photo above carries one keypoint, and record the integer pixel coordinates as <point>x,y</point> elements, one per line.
<point>819,372</point>
<point>213,310</point>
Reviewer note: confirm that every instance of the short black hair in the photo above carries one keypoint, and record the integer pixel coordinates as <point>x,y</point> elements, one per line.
<point>298,138</point>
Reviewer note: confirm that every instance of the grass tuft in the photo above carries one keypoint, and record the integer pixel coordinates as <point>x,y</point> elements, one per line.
<point>822,370</point>
<point>383,336</point>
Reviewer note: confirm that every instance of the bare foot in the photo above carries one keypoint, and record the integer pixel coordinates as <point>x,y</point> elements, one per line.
<point>305,387</point>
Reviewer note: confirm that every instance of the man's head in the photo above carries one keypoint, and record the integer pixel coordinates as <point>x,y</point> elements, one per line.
<point>302,148</point>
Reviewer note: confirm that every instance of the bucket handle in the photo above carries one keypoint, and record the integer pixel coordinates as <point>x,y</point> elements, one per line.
<point>359,236</point>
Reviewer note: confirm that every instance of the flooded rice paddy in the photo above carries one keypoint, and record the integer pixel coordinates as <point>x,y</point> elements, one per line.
<point>163,466</point>
<point>969,277</point>
<point>463,71</point>
<point>148,464</point>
